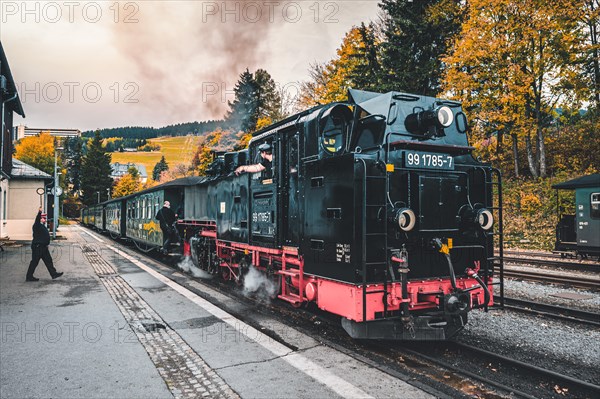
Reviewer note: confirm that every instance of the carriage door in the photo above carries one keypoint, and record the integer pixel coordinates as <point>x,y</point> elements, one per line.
<point>291,205</point>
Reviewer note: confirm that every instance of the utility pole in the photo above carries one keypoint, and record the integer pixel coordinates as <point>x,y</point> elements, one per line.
<point>55,195</point>
<point>57,191</point>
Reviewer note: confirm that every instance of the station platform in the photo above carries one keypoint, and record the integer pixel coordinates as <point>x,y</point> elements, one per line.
<point>118,324</point>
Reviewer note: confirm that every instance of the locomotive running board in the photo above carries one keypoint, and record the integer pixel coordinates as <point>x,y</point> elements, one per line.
<point>423,329</point>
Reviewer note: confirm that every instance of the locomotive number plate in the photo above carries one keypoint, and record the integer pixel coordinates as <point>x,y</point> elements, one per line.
<point>428,160</point>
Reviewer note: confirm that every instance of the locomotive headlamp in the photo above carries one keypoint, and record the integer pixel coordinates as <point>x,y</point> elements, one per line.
<point>444,114</point>
<point>405,218</point>
<point>484,218</point>
<point>430,122</point>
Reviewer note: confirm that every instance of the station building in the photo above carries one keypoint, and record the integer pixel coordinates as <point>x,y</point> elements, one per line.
<point>22,187</point>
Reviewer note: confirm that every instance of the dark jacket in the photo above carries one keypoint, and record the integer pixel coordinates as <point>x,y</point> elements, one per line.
<point>166,217</point>
<point>41,235</point>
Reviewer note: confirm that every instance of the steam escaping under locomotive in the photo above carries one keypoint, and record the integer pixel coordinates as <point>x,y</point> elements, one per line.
<point>373,209</point>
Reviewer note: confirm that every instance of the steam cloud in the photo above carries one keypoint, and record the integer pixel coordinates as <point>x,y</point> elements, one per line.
<point>188,266</point>
<point>255,282</point>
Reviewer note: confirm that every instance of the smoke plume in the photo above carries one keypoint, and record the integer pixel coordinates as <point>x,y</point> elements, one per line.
<point>185,78</point>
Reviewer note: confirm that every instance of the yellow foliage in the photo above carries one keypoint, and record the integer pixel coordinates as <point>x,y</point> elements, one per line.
<point>530,203</point>
<point>37,151</point>
<point>126,185</point>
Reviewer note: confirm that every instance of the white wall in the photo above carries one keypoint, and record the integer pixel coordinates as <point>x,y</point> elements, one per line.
<point>23,205</point>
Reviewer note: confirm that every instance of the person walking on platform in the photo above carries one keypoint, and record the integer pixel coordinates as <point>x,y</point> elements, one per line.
<point>39,249</point>
<point>166,217</point>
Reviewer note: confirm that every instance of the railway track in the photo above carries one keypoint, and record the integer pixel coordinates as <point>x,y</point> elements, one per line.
<point>547,255</point>
<point>416,359</point>
<point>495,371</point>
<point>553,263</point>
<point>592,283</point>
<point>552,311</point>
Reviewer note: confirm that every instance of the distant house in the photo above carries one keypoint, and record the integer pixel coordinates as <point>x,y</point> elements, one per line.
<point>23,131</point>
<point>120,169</point>
<point>26,193</point>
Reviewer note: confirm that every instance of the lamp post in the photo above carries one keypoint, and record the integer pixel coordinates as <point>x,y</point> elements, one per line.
<point>98,192</point>
<point>57,191</point>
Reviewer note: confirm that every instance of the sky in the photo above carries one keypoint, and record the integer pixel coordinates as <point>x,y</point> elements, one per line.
<point>99,64</point>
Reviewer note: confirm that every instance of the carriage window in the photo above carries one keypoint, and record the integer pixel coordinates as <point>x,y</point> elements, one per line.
<point>150,208</point>
<point>137,209</point>
<point>595,205</point>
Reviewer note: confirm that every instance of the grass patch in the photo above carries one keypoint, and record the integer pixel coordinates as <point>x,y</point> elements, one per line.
<point>176,150</point>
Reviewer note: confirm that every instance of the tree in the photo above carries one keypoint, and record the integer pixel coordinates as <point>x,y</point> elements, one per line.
<point>37,151</point>
<point>256,96</point>
<point>204,154</point>
<point>356,66</point>
<point>160,167</point>
<point>95,172</point>
<point>73,155</point>
<point>416,36</point>
<point>128,184</point>
<point>511,68</point>
<point>268,99</point>
<point>243,110</point>
<point>589,58</point>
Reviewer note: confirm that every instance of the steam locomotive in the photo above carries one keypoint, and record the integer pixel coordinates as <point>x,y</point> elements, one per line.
<point>374,209</point>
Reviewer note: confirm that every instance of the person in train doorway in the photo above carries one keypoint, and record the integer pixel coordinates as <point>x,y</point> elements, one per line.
<point>39,249</point>
<point>266,163</point>
<point>166,217</point>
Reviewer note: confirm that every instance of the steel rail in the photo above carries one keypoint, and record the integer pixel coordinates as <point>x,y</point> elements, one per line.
<point>565,379</point>
<point>553,311</point>
<point>585,267</point>
<point>575,281</point>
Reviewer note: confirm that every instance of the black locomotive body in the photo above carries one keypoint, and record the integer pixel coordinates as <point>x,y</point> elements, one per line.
<point>373,209</point>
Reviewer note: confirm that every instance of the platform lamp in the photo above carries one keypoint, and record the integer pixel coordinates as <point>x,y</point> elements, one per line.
<point>57,191</point>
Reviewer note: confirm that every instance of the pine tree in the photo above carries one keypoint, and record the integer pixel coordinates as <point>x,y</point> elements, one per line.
<point>161,166</point>
<point>73,149</point>
<point>268,99</point>
<point>243,110</point>
<point>95,172</point>
<point>416,36</point>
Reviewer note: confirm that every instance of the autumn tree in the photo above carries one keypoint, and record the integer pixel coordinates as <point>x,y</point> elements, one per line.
<point>161,166</point>
<point>416,35</point>
<point>204,154</point>
<point>37,151</point>
<point>510,67</point>
<point>355,66</point>
<point>95,172</point>
<point>589,58</point>
<point>128,184</point>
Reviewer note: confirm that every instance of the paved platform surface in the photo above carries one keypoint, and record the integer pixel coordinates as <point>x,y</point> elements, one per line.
<point>120,325</point>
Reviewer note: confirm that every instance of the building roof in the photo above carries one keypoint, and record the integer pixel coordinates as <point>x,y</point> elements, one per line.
<point>15,104</point>
<point>120,169</point>
<point>21,170</point>
<point>581,182</point>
